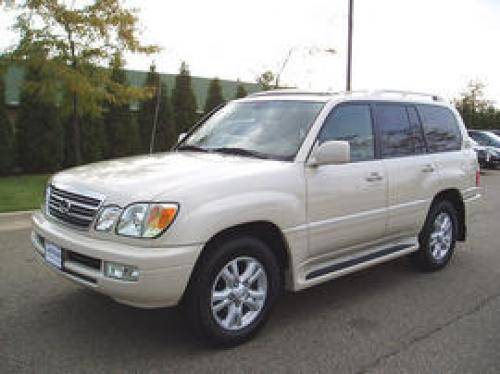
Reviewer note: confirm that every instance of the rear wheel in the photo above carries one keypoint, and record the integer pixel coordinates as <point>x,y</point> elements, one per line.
<point>438,237</point>
<point>233,290</point>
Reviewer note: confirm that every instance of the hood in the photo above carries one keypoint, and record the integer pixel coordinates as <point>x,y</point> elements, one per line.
<point>151,177</point>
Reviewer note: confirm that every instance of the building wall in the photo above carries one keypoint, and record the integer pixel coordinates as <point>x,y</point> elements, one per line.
<point>14,78</point>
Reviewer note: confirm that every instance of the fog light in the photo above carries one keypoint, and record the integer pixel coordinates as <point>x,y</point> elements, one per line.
<point>120,271</point>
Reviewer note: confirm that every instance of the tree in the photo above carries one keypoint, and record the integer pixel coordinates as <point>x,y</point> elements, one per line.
<point>214,95</point>
<point>166,134</point>
<point>147,108</point>
<point>7,140</point>
<point>121,128</point>
<point>93,137</point>
<point>70,43</point>
<point>184,100</point>
<point>240,91</point>
<point>266,80</point>
<point>156,109</point>
<point>40,133</point>
<point>476,111</point>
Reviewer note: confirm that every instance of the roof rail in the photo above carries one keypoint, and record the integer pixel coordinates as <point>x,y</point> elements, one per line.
<point>288,91</point>
<point>293,91</point>
<point>408,93</point>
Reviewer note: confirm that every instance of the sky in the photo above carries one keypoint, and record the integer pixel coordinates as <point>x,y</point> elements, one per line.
<point>433,46</point>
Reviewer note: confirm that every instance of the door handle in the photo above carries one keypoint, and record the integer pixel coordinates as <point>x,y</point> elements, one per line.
<point>428,168</point>
<point>374,177</point>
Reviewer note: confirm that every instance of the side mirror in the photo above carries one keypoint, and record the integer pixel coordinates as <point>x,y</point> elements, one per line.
<point>331,152</point>
<point>181,137</point>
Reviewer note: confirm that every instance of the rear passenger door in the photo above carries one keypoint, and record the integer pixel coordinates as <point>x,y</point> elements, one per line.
<point>444,141</point>
<point>413,178</point>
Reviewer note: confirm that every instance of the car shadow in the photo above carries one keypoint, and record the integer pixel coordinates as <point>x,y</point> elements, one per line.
<point>92,322</point>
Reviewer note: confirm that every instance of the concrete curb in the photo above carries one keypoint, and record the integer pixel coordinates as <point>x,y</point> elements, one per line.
<point>13,221</point>
<point>19,213</point>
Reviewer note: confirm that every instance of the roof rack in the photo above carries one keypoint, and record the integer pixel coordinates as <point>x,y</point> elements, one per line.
<point>288,91</point>
<point>293,91</point>
<point>408,93</point>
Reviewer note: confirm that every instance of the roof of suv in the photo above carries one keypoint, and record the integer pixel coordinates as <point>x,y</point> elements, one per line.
<point>385,95</point>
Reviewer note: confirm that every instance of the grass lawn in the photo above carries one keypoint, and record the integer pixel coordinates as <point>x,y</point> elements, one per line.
<point>21,192</point>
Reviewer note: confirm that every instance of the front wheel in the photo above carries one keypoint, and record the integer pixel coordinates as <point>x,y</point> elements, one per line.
<point>438,237</point>
<point>233,290</point>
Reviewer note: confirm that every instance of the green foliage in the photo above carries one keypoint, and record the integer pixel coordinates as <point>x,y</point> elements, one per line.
<point>214,95</point>
<point>266,80</point>
<point>69,43</point>
<point>148,107</point>
<point>477,112</point>
<point>121,128</point>
<point>93,139</point>
<point>184,100</point>
<point>240,91</point>
<point>166,134</point>
<point>7,139</point>
<point>39,130</point>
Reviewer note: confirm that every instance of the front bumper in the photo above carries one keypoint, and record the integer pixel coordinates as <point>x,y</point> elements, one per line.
<point>163,272</point>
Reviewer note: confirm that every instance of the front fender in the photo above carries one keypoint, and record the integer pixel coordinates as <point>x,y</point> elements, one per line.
<point>206,220</point>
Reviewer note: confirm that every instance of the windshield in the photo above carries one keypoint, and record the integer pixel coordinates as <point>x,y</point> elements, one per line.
<point>272,129</point>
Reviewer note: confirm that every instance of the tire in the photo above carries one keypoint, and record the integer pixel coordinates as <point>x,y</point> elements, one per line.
<point>243,309</point>
<point>438,237</point>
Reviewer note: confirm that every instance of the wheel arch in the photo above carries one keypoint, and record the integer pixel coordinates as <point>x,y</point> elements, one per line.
<point>454,196</point>
<point>266,231</point>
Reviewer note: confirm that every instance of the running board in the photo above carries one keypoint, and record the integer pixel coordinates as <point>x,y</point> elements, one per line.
<point>357,263</point>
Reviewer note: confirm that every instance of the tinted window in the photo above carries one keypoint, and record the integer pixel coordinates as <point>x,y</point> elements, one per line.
<point>494,139</point>
<point>480,138</point>
<point>352,123</point>
<point>395,131</point>
<point>417,132</point>
<point>487,138</point>
<point>440,127</point>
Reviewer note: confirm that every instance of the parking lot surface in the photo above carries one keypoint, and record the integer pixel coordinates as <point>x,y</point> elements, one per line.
<point>388,319</point>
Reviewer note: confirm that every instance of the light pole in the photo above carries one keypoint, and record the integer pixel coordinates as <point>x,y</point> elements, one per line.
<point>349,47</point>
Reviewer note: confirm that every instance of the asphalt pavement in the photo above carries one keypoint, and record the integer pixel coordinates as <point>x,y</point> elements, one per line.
<point>388,319</point>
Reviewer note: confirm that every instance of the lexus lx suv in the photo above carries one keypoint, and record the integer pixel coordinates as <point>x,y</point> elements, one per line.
<point>279,190</point>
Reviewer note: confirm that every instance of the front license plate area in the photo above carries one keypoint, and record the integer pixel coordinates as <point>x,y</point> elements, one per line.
<point>53,255</point>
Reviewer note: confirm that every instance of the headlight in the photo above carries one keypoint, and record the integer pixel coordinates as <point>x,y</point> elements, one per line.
<point>146,220</point>
<point>107,218</point>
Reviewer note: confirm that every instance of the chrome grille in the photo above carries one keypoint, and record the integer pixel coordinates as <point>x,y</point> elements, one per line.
<point>72,208</point>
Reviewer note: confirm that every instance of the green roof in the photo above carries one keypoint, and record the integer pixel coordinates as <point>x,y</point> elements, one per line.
<point>14,77</point>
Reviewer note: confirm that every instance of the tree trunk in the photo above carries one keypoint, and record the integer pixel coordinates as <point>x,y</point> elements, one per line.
<point>76,131</point>
<point>75,120</point>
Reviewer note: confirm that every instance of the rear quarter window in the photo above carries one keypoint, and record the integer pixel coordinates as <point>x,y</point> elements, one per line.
<point>441,128</point>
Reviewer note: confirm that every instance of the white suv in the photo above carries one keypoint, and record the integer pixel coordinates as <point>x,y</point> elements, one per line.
<point>282,189</point>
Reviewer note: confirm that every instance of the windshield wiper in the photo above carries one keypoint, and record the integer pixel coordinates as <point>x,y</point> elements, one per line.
<point>189,147</point>
<point>240,151</point>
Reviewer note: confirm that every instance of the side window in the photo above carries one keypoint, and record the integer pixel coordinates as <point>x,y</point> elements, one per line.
<point>441,129</point>
<point>417,132</point>
<point>394,129</point>
<point>352,123</point>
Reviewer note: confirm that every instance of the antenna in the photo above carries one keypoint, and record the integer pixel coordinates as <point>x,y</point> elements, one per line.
<point>155,118</point>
